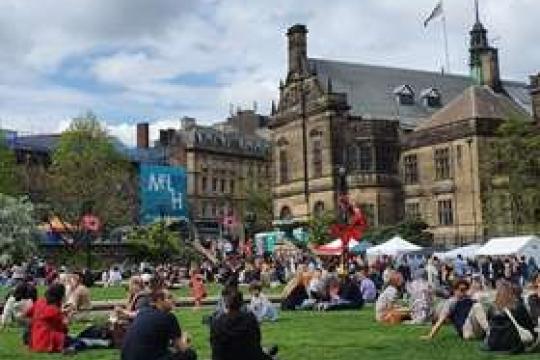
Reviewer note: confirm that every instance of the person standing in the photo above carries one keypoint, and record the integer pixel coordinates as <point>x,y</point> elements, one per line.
<point>198,290</point>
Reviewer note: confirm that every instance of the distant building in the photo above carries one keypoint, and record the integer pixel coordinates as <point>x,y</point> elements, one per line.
<point>380,124</point>
<point>222,163</point>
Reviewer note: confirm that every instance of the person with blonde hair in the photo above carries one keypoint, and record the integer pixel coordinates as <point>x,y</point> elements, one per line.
<point>387,309</point>
<point>508,308</point>
<point>77,297</point>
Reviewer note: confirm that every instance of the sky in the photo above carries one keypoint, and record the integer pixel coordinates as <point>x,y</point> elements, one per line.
<point>159,60</point>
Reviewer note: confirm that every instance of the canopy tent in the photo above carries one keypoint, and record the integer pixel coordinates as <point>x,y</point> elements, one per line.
<point>528,246</point>
<point>335,247</point>
<point>467,252</point>
<point>361,247</point>
<point>394,247</point>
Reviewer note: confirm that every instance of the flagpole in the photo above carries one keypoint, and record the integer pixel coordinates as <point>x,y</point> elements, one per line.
<point>445,35</point>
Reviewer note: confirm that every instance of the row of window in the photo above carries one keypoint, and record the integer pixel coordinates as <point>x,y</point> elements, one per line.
<point>213,209</point>
<point>441,158</point>
<point>217,185</point>
<point>444,211</point>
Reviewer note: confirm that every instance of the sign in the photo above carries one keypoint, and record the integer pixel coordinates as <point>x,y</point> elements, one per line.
<point>163,192</point>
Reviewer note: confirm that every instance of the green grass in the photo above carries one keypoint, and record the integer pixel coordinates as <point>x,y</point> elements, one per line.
<point>118,293</point>
<point>310,336</point>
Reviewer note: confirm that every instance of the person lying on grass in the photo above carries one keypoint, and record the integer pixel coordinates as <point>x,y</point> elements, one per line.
<point>467,315</point>
<point>154,330</point>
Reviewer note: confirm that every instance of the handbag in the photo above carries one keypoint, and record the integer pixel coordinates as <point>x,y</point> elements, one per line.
<point>525,335</point>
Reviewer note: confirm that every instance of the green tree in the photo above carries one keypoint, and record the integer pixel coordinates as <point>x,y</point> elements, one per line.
<point>17,228</point>
<point>259,202</point>
<point>88,174</point>
<point>9,172</point>
<point>319,227</point>
<point>412,230</point>
<point>156,242</point>
<point>511,168</point>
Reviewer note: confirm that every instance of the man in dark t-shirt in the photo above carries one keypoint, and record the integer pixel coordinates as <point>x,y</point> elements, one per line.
<point>153,331</point>
<point>236,334</point>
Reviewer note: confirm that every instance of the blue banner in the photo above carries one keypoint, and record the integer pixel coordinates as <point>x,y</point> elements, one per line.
<point>163,192</point>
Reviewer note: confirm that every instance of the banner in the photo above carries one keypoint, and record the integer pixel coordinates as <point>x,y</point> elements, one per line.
<point>163,192</point>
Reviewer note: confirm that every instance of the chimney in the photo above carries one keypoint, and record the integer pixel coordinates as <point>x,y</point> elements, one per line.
<point>297,50</point>
<point>143,135</point>
<point>535,97</point>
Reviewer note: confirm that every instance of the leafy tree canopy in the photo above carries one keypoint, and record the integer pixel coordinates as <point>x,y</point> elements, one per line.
<point>414,231</point>
<point>9,179</point>
<point>17,228</point>
<point>88,174</point>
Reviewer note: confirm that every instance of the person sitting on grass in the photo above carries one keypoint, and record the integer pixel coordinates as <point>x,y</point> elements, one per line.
<point>421,298</point>
<point>367,286</point>
<point>503,334</point>
<point>534,300</point>
<point>78,297</point>
<point>17,305</point>
<point>236,334</point>
<point>259,305</point>
<point>467,315</point>
<point>294,293</point>
<point>387,308</point>
<point>154,330</point>
<point>49,325</point>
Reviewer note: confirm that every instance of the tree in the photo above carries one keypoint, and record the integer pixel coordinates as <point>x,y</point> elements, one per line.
<point>412,230</point>
<point>319,227</point>
<point>259,202</point>
<point>89,175</point>
<point>9,173</point>
<point>156,242</point>
<point>17,228</point>
<point>511,164</point>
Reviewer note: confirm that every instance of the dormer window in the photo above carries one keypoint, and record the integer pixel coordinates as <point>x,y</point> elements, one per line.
<point>404,95</point>
<point>431,97</point>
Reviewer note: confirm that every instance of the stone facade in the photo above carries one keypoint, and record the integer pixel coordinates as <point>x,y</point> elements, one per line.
<point>221,167</point>
<point>378,123</point>
<point>314,135</point>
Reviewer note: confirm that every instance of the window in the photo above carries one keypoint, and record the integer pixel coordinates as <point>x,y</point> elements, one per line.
<point>410,169</point>
<point>459,155</point>
<point>404,95</point>
<point>412,210</point>
<point>231,186</point>
<point>318,209</point>
<point>204,184</point>
<point>316,158</point>
<point>365,158</point>
<point>285,213</point>
<point>283,167</point>
<point>222,185</point>
<point>431,97</point>
<point>446,215</point>
<point>385,158</point>
<point>442,164</point>
<point>214,210</point>
<point>214,184</point>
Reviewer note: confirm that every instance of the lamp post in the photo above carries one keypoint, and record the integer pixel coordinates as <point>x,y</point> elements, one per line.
<point>343,209</point>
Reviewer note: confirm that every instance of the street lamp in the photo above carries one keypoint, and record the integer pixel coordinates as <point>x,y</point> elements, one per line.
<point>342,195</point>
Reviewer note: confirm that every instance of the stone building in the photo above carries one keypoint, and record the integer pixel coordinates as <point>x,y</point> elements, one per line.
<point>221,166</point>
<point>333,115</point>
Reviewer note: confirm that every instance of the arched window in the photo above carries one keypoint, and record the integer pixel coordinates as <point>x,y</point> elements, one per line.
<point>318,209</point>
<point>285,213</point>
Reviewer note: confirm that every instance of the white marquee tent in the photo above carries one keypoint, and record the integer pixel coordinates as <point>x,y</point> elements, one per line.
<point>396,246</point>
<point>467,252</point>
<point>517,245</point>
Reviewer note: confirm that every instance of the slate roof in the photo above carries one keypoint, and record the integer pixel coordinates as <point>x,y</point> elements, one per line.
<point>476,102</point>
<point>370,89</point>
<point>47,144</point>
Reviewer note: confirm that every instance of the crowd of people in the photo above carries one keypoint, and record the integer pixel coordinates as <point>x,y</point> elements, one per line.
<point>496,300</point>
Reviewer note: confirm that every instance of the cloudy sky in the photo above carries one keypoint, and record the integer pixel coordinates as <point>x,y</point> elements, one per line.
<point>159,60</point>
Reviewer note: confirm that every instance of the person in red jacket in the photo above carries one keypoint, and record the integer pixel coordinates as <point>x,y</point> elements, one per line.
<point>48,325</point>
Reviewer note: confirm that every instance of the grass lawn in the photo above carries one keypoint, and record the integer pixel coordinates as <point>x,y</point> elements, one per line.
<point>115,293</point>
<point>309,336</point>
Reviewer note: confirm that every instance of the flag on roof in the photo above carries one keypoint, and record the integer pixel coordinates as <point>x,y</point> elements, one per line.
<point>437,11</point>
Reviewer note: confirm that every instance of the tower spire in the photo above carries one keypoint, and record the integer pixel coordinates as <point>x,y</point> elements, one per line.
<point>477,11</point>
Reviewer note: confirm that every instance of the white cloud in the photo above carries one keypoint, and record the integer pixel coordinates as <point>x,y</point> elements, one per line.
<point>122,53</point>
